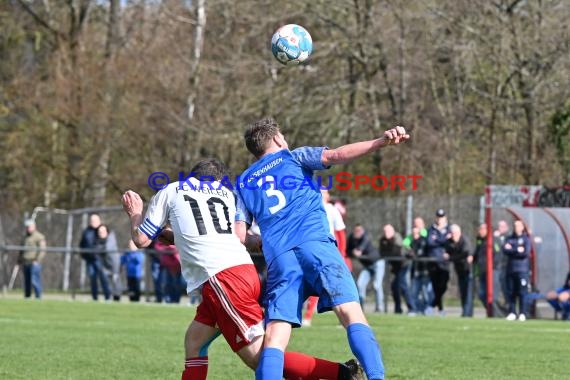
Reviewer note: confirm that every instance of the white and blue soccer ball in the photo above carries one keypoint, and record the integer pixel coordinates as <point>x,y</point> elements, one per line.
<point>291,44</point>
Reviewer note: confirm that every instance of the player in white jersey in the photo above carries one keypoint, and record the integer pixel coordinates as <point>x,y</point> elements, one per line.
<point>201,215</point>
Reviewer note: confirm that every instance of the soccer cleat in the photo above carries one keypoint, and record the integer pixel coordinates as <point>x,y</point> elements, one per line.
<point>511,317</point>
<point>522,317</point>
<point>351,370</point>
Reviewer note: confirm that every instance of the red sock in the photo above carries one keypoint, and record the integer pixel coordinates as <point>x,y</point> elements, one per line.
<point>311,306</point>
<point>195,368</point>
<point>304,367</point>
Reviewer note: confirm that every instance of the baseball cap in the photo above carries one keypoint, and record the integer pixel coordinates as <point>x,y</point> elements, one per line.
<point>440,212</point>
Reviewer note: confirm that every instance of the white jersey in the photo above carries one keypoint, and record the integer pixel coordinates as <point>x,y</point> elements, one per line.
<point>335,218</point>
<point>202,219</point>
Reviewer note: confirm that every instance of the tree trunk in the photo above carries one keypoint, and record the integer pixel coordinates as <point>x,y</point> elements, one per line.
<point>186,154</point>
<point>108,132</point>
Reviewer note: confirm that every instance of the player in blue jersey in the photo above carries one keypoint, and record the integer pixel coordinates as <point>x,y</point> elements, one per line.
<point>279,192</point>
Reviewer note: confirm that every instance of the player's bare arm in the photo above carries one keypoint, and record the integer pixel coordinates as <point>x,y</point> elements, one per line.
<point>133,206</point>
<point>350,152</point>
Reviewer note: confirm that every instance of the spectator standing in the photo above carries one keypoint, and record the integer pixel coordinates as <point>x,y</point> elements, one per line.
<point>480,258</point>
<point>360,247</point>
<point>517,250</point>
<point>438,233</point>
<point>93,261</point>
<point>157,272</point>
<point>133,261</point>
<point>174,282</point>
<point>501,234</point>
<point>340,205</point>
<point>559,299</point>
<point>422,292</point>
<point>31,259</point>
<point>458,251</point>
<point>421,226</point>
<point>107,246</point>
<point>391,248</point>
<point>338,231</point>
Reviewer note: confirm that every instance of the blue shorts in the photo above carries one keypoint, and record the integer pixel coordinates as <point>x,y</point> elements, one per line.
<point>314,268</point>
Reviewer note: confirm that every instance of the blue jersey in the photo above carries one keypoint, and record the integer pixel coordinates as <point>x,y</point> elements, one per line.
<point>280,193</point>
<point>134,263</point>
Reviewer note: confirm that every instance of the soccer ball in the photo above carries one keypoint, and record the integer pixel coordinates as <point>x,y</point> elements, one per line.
<point>291,44</point>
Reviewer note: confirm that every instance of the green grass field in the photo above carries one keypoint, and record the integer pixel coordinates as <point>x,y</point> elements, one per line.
<point>77,340</point>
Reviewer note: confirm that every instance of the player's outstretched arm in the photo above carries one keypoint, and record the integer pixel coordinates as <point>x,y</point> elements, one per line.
<point>350,152</point>
<point>133,206</point>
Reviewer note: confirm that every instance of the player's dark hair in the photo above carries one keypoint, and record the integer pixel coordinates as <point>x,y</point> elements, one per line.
<point>210,167</point>
<point>258,135</point>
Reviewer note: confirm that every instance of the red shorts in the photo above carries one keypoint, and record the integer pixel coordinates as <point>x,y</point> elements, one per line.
<point>230,303</point>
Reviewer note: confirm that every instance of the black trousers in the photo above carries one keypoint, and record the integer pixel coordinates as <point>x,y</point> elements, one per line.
<point>134,285</point>
<point>517,286</point>
<point>439,279</point>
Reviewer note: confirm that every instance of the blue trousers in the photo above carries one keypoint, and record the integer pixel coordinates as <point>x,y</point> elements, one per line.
<point>422,292</point>
<point>32,279</point>
<point>482,291</point>
<point>374,272</point>
<point>400,289</point>
<point>158,275</point>
<point>561,307</point>
<point>174,287</point>
<point>465,282</point>
<point>96,273</point>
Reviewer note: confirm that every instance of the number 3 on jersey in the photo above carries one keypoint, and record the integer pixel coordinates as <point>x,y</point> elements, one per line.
<point>268,183</point>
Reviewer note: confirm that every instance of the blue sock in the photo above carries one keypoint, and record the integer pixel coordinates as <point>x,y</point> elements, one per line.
<point>270,365</point>
<point>366,349</point>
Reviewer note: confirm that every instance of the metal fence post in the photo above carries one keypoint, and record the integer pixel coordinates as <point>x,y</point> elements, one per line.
<point>67,258</point>
<point>82,265</point>
<point>482,211</point>
<point>3,264</point>
<point>409,214</point>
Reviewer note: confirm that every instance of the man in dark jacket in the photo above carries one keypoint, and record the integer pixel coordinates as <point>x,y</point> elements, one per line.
<point>360,247</point>
<point>500,235</point>
<point>422,292</point>
<point>93,261</point>
<point>517,250</point>
<point>438,233</point>
<point>480,258</point>
<point>458,251</point>
<point>391,248</point>
<point>108,252</point>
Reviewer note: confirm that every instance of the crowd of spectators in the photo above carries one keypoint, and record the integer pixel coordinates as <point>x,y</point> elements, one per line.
<point>106,266</point>
<point>419,266</point>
